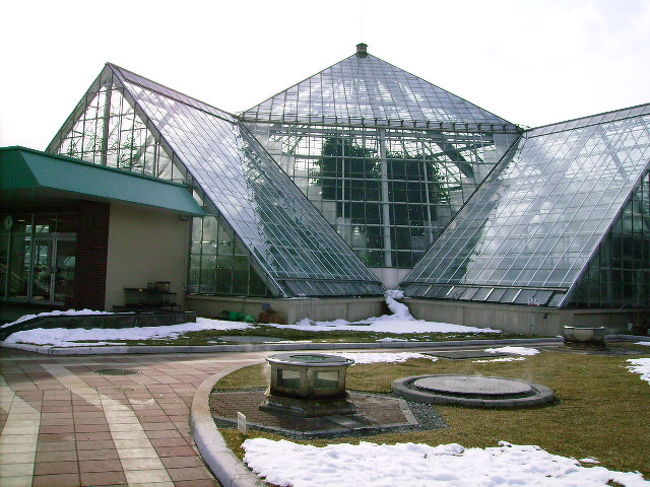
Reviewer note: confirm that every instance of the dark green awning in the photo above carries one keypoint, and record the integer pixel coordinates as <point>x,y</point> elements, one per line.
<point>23,170</point>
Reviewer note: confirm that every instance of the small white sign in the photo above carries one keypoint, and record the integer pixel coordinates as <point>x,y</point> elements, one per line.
<point>241,423</point>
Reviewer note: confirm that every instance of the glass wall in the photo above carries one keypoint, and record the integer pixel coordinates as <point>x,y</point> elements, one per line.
<point>387,192</point>
<point>619,275</point>
<point>132,123</point>
<point>541,215</point>
<point>387,157</point>
<point>105,129</point>
<point>220,263</point>
<point>37,257</point>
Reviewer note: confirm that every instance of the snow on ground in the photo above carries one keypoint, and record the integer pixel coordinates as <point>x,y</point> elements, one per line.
<point>400,311</point>
<point>385,324</point>
<point>524,351</point>
<point>69,312</point>
<point>410,464</point>
<point>643,343</point>
<point>377,357</point>
<point>640,366</point>
<point>70,337</point>
<point>514,350</point>
<point>399,322</point>
<point>500,359</point>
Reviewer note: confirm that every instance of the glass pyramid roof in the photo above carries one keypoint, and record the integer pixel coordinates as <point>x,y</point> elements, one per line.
<point>539,217</point>
<point>286,235</point>
<point>363,89</point>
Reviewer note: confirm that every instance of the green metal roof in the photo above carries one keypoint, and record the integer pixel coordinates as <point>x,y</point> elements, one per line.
<point>28,169</point>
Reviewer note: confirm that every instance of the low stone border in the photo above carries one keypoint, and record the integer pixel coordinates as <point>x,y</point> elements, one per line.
<point>128,319</point>
<point>223,463</point>
<point>627,338</point>
<point>50,350</point>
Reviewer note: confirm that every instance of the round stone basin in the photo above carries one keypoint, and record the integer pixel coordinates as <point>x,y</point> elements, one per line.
<point>462,385</point>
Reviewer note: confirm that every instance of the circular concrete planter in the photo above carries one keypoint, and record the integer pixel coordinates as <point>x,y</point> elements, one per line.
<point>585,334</point>
<point>308,384</point>
<point>472,391</point>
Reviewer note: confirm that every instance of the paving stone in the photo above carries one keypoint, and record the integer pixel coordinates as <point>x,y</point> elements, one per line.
<point>59,467</point>
<point>94,466</point>
<point>64,480</point>
<point>102,478</point>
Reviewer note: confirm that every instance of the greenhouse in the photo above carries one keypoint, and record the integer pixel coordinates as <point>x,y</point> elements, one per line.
<point>360,178</point>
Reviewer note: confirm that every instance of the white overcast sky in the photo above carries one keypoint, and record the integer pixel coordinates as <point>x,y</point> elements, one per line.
<point>530,62</point>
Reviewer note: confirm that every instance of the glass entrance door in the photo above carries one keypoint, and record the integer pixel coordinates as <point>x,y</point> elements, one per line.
<point>52,272</point>
<point>41,270</point>
<point>37,257</point>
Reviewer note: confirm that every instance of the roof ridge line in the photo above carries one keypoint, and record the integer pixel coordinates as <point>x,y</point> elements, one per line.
<point>119,69</point>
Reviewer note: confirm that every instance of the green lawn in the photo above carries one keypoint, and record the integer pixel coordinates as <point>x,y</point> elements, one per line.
<point>603,409</point>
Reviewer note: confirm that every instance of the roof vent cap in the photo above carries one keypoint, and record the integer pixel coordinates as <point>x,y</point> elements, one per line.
<point>362,49</point>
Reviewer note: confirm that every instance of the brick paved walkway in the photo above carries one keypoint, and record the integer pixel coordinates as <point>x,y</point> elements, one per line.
<point>65,425</point>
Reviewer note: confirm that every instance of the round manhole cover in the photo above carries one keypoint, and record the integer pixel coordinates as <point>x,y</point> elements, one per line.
<point>117,371</point>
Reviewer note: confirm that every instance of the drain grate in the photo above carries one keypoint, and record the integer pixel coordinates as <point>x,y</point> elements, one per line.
<point>117,372</point>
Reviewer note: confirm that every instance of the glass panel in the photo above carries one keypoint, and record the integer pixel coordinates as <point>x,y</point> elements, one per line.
<point>288,378</point>
<point>65,267</point>
<point>4,254</point>
<point>543,297</point>
<point>482,294</point>
<point>496,295</point>
<point>527,296</point>
<point>468,294</point>
<point>510,295</point>
<point>326,380</point>
<point>42,266</point>
<point>20,251</point>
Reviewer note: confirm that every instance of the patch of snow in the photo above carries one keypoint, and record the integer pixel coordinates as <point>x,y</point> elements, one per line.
<point>377,357</point>
<point>71,337</point>
<point>640,366</point>
<point>400,311</point>
<point>514,350</point>
<point>501,359</point>
<point>589,460</point>
<point>305,323</point>
<point>399,322</point>
<point>643,343</point>
<point>384,324</point>
<point>291,341</point>
<point>411,464</point>
<point>69,312</point>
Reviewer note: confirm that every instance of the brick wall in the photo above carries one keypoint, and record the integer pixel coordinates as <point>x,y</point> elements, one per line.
<point>91,254</point>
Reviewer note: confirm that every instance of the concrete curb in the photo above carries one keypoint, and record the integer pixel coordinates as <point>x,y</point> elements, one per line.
<point>627,338</point>
<point>50,350</point>
<point>223,463</point>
